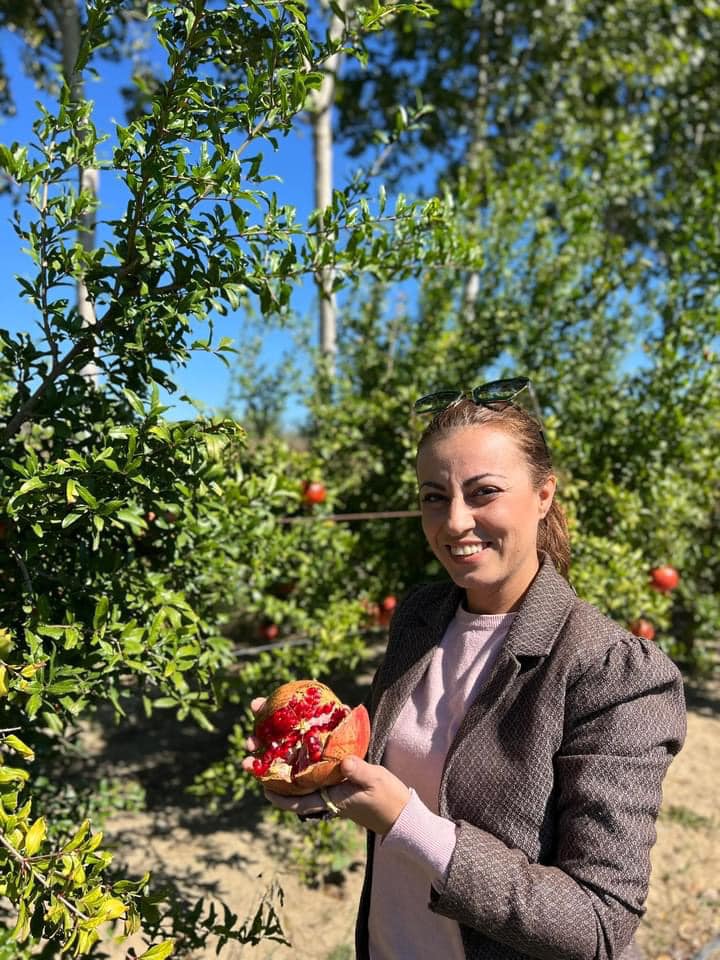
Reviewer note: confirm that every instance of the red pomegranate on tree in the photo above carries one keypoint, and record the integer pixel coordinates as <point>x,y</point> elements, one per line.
<point>304,732</point>
<point>386,608</point>
<point>664,578</point>
<point>314,492</point>
<point>269,630</point>
<point>643,628</point>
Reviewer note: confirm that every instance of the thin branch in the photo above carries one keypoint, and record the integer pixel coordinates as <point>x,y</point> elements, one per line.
<point>57,369</point>
<point>44,286</point>
<point>27,582</point>
<point>295,641</point>
<point>26,865</point>
<point>346,517</point>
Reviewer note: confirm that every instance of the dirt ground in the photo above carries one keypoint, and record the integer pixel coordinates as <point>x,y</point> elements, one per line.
<point>230,858</point>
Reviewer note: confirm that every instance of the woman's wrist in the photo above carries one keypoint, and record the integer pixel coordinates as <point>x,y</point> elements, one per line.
<point>398,805</point>
<point>425,837</point>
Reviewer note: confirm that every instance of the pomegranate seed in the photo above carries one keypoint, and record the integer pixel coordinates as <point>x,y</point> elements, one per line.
<point>283,722</point>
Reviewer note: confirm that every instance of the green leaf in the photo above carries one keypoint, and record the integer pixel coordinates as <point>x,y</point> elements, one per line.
<point>111,908</point>
<point>13,774</point>
<point>101,611</point>
<point>160,951</point>
<point>78,838</point>
<point>34,483</point>
<point>132,518</point>
<point>22,748</point>
<point>135,402</point>
<point>69,519</point>
<point>35,836</point>
<point>89,499</point>
<point>33,705</point>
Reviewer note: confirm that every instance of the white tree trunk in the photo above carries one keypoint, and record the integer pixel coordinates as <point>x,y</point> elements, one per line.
<point>476,154</point>
<point>320,110</point>
<point>68,16</point>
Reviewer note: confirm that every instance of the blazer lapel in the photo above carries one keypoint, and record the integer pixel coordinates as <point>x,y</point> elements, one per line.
<point>539,620</point>
<point>542,613</point>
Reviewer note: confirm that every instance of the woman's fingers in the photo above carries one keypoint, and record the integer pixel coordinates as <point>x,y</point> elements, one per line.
<point>303,806</point>
<point>252,743</point>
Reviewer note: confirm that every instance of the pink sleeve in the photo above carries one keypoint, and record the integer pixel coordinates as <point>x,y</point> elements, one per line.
<point>420,834</point>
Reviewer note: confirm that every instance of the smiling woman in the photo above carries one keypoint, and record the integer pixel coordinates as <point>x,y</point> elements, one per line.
<point>519,737</point>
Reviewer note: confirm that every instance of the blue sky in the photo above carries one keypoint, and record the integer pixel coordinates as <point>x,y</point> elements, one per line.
<point>206,379</point>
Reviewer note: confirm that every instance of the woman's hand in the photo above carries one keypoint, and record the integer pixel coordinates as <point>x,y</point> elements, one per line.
<point>251,743</point>
<point>371,795</point>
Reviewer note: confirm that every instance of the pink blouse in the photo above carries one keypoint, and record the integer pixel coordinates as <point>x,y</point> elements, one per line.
<point>416,852</point>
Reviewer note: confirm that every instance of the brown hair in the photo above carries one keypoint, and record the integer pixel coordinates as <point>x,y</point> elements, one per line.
<point>527,433</point>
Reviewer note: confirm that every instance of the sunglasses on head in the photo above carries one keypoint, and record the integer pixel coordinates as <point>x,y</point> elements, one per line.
<point>487,394</point>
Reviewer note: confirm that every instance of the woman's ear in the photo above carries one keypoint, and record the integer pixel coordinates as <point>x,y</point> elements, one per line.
<point>546,494</point>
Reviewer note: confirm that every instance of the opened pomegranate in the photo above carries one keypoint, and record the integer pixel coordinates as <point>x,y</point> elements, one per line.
<point>304,732</point>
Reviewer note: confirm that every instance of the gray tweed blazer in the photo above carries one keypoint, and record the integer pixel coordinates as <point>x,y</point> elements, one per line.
<point>554,777</point>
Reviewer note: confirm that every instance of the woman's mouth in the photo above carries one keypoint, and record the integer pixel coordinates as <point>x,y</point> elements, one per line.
<point>462,551</point>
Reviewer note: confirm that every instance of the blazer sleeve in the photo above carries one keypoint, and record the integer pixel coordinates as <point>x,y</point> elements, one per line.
<point>625,720</point>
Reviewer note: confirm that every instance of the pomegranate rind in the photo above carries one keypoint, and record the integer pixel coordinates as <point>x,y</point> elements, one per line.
<point>323,773</point>
<point>351,737</point>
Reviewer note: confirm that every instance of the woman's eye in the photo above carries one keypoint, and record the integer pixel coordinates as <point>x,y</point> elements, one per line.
<point>431,497</point>
<point>485,491</point>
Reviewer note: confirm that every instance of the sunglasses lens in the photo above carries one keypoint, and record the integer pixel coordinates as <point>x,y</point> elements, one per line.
<point>500,390</point>
<point>434,402</point>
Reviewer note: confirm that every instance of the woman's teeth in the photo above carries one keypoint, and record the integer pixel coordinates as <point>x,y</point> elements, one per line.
<point>467,551</point>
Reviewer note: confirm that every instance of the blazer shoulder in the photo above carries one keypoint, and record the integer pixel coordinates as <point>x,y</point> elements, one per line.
<point>592,641</point>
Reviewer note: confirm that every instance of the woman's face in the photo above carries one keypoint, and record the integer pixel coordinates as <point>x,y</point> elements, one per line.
<point>480,514</point>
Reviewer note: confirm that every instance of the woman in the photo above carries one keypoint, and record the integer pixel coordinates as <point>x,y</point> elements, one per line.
<point>519,737</point>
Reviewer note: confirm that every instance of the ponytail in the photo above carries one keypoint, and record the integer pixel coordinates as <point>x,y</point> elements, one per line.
<point>554,539</point>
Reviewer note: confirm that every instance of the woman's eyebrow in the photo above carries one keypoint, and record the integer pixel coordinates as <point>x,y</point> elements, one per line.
<point>466,483</point>
<point>482,476</point>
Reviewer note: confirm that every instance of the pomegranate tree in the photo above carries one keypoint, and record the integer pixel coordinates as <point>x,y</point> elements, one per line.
<point>303,732</point>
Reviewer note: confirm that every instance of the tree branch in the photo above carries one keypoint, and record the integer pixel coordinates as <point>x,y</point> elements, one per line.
<point>26,865</point>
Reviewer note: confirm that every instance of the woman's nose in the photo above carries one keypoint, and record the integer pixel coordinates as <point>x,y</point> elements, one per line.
<point>460,517</point>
